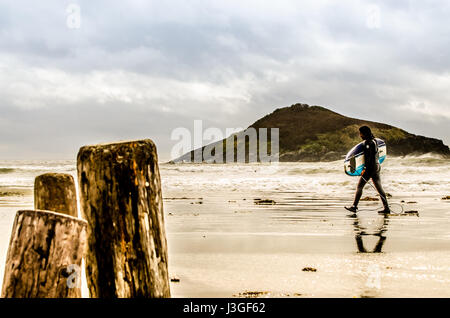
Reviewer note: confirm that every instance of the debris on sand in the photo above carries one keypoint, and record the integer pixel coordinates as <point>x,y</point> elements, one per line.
<point>309,269</point>
<point>12,193</point>
<point>264,201</point>
<point>446,197</point>
<point>369,199</point>
<point>411,202</point>
<point>175,279</point>
<point>412,212</point>
<point>252,294</point>
<point>183,198</point>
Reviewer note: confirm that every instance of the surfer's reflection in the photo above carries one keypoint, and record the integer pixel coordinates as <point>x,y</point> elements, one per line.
<point>361,231</point>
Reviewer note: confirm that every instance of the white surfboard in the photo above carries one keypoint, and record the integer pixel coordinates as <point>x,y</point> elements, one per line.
<point>354,160</point>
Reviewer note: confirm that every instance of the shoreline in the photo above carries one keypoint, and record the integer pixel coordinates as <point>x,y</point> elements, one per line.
<point>223,243</point>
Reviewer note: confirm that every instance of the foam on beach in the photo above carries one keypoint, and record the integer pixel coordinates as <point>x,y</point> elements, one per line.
<point>222,244</point>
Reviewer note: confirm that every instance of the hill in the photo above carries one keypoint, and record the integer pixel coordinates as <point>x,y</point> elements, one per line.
<point>315,133</point>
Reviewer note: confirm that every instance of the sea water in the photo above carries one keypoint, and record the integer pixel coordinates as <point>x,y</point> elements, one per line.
<point>223,241</point>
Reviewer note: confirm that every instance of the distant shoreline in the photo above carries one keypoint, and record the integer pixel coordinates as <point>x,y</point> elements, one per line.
<point>411,156</point>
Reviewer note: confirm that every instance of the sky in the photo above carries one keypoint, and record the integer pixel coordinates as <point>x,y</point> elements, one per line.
<point>82,72</point>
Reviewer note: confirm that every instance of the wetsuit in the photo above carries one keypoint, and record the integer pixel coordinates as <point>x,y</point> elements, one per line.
<point>371,171</point>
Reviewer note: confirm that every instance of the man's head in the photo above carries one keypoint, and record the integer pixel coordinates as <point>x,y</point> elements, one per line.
<point>365,133</point>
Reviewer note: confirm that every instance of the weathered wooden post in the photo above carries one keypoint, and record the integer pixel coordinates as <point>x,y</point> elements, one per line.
<point>55,192</point>
<point>44,256</point>
<point>120,197</point>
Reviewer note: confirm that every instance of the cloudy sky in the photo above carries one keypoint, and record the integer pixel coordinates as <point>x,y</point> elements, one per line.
<point>139,69</point>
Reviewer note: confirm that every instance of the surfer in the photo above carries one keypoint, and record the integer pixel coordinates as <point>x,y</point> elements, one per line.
<point>371,171</point>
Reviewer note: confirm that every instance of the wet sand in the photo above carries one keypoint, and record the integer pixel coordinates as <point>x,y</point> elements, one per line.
<point>224,243</point>
<point>252,248</point>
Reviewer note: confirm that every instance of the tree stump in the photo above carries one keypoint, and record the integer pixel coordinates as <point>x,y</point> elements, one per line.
<point>55,192</point>
<point>44,256</point>
<point>120,197</point>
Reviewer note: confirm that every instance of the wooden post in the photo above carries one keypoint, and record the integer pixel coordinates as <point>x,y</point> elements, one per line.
<point>44,256</point>
<point>120,197</point>
<point>55,192</point>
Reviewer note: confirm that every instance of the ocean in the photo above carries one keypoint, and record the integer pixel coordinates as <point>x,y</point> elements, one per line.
<point>224,241</point>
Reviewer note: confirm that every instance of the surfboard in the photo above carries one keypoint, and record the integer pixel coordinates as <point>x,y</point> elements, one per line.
<point>354,160</point>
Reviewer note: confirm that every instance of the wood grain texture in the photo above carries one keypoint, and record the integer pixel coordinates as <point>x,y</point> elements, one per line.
<point>44,252</point>
<point>120,197</point>
<point>55,192</point>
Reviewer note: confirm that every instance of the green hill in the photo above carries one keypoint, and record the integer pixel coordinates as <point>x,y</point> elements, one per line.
<point>314,133</point>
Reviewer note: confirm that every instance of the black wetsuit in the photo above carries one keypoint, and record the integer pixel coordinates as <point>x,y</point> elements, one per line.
<point>372,171</point>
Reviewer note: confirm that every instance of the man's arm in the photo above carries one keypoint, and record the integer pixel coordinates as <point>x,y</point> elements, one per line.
<point>369,158</point>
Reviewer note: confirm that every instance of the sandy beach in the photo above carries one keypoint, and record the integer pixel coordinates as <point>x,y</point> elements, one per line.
<point>225,241</point>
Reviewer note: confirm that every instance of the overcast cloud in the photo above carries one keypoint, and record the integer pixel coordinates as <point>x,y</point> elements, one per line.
<point>140,69</point>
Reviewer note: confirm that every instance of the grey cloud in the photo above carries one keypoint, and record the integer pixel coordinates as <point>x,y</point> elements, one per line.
<point>271,54</point>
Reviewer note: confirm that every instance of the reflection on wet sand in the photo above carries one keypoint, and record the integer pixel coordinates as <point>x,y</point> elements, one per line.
<point>362,231</point>
<point>372,285</point>
<point>228,245</point>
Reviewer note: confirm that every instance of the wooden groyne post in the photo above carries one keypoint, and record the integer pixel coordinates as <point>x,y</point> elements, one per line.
<point>55,192</point>
<point>44,256</point>
<point>120,197</point>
